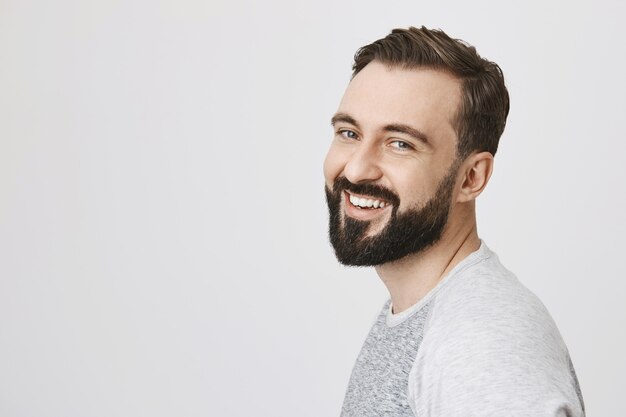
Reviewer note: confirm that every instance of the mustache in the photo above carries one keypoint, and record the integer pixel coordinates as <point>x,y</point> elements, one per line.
<point>374,190</point>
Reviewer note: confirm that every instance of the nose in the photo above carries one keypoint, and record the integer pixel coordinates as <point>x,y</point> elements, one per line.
<point>363,165</point>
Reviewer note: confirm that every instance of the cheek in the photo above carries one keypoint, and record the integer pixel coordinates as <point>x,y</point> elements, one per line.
<point>411,186</point>
<point>333,165</point>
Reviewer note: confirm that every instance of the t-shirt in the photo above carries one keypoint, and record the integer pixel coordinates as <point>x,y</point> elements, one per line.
<point>478,344</point>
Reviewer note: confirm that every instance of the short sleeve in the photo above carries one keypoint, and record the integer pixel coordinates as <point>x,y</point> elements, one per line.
<point>490,348</point>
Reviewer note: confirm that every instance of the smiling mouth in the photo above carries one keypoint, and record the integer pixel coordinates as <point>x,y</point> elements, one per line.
<point>366,202</point>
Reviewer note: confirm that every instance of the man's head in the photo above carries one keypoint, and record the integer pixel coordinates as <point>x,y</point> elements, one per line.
<point>415,132</point>
<point>482,112</point>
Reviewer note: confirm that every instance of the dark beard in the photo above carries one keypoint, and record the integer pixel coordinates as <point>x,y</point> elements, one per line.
<point>406,233</point>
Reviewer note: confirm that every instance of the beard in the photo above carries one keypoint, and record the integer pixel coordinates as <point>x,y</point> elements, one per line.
<point>405,233</point>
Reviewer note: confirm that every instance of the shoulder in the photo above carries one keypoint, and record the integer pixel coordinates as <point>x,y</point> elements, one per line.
<point>488,299</point>
<point>490,343</point>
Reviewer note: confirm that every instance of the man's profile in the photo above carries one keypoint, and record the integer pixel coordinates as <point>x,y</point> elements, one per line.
<point>415,136</point>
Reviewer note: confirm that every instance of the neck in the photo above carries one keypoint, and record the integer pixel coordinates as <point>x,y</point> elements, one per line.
<point>409,279</point>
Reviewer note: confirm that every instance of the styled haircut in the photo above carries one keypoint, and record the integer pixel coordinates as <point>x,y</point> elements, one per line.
<point>481,116</point>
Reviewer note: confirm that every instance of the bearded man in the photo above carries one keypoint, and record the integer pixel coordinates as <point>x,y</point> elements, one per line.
<point>414,140</point>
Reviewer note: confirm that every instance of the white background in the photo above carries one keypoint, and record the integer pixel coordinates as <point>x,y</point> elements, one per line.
<point>163,244</point>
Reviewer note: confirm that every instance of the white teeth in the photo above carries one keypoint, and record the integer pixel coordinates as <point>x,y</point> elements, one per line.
<point>365,202</point>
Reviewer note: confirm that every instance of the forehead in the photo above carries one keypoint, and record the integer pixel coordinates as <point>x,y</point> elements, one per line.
<point>424,98</point>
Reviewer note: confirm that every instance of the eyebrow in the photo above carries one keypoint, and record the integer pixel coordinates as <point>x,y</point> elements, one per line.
<point>344,117</point>
<point>393,127</point>
<point>408,130</point>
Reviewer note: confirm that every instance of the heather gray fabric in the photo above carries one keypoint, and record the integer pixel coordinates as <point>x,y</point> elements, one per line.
<point>384,365</point>
<point>478,344</point>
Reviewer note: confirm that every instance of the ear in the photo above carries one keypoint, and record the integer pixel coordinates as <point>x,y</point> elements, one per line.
<point>477,170</point>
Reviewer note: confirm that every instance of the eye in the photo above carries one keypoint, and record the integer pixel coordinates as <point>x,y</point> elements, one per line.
<point>348,134</point>
<point>401,145</point>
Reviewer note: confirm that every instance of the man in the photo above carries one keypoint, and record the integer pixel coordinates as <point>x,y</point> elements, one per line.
<point>415,136</point>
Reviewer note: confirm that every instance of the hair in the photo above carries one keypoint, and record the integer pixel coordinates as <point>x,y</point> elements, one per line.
<point>481,116</point>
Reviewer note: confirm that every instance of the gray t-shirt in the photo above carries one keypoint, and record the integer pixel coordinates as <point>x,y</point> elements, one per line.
<point>478,344</point>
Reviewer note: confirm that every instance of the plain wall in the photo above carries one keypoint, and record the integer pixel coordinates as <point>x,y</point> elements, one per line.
<point>163,245</point>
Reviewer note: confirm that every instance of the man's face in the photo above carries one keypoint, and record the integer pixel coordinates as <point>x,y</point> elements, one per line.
<point>391,169</point>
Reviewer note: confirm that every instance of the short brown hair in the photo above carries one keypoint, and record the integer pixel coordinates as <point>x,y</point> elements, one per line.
<point>481,116</point>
